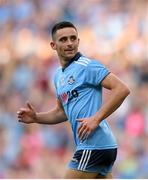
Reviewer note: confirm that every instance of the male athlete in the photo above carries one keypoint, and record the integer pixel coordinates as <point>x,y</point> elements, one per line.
<point>79,82</point>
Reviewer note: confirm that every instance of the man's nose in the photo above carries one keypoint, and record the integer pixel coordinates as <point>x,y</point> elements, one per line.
<point>69,42</point>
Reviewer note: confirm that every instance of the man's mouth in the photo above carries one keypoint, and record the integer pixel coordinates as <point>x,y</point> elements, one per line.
<point>69,50</point>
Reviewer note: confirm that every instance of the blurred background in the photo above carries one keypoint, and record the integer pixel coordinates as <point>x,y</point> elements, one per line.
<point>113,31</point>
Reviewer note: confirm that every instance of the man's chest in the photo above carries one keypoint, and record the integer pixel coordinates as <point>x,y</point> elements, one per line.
<point>69,84</point>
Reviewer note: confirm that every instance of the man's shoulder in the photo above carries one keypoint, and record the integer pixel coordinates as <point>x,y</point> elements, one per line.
<point>83,61</point>
<point>90,62</point>
<point>58,70</point>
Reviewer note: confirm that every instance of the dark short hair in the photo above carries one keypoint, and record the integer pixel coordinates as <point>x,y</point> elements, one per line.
<point>61,25</point>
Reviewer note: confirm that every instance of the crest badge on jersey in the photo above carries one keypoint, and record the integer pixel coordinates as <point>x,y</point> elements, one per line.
<point>71,80</point>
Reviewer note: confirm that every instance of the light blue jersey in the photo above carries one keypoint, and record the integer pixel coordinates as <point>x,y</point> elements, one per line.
<point>78,87</point>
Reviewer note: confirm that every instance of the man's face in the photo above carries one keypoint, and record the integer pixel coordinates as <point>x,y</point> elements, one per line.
<point>66,42</point>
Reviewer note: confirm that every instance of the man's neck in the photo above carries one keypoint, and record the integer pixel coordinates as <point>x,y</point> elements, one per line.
<point>66,62</point>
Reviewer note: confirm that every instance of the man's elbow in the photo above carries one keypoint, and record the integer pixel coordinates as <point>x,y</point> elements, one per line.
<point>125,91</point>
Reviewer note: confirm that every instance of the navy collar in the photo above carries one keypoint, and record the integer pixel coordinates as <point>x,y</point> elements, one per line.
<point>75,58</point>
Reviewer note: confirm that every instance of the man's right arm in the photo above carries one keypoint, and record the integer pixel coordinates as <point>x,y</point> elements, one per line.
<point>54,116</point>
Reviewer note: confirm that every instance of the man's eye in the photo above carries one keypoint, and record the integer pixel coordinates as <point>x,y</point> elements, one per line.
<point>73,38</point>
<point>63,39</point>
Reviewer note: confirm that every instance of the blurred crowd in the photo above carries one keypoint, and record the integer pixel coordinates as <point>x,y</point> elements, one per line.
<point>114,32</point>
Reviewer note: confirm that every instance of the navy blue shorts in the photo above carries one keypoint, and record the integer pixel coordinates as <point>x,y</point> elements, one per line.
<point>99,161</point>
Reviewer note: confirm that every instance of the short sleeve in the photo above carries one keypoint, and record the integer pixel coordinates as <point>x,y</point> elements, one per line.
<point>95,73</point>
<point>55,85</point>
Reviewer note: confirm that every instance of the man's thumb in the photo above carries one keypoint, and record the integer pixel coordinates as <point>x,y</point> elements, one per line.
<point>79,120</point>
<point>30,106</point>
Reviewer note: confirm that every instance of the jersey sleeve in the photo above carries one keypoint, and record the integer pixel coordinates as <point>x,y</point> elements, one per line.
<point>95,73</point>
<point>55,85</point>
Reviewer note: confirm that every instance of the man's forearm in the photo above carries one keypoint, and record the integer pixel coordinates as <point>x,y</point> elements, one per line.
<point>54,116</point>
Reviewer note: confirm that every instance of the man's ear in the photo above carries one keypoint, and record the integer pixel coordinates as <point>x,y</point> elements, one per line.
<point>78,40</point>
<point>53,46</point>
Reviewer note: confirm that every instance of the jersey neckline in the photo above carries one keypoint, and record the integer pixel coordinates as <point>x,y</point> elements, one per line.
<point>75,58</point>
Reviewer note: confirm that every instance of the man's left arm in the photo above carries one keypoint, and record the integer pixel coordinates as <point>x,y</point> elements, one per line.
<point>118,92</point>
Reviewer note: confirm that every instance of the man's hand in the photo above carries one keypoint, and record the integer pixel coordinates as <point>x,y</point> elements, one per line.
<point>87,126</point>
<point>27,115</point>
